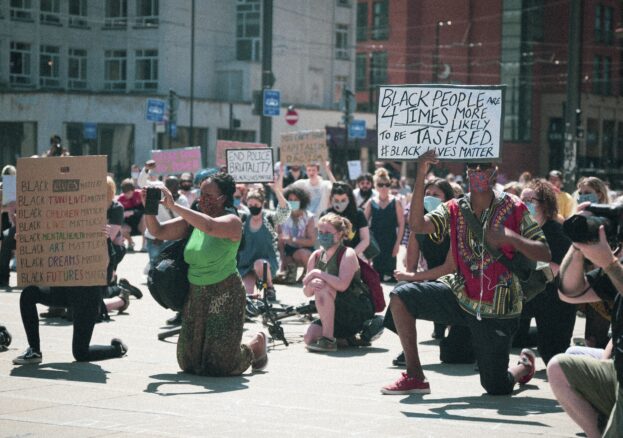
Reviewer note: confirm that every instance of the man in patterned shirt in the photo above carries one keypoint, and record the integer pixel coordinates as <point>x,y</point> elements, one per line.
<point>482,293</point>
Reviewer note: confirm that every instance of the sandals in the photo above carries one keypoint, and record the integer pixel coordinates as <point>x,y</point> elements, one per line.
<point>527,358</point>
<point>260,363</point>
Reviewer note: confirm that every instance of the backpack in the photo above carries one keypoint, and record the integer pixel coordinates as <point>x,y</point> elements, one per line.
<point>167,280</point>
<point>371,279</point>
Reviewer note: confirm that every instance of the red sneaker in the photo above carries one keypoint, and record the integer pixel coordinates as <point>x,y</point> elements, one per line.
<point>527,358</point>
<point>407,385</point>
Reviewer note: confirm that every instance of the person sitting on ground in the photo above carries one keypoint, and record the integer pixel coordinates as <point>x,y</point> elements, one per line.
<point>213,314</point>
<point>134,224</point>
<point>342,299</point>
<point>297,236</point>
<point>260,240</point>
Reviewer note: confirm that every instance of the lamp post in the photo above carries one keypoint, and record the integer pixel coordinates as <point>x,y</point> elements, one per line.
<point>438,27</point>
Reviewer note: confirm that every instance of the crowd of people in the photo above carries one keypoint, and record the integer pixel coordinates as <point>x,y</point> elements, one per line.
<point>441,245</point>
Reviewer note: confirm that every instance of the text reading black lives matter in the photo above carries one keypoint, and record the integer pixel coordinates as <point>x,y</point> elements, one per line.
<point>458,122</point>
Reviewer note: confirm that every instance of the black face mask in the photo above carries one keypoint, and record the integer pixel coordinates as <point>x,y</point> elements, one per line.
<point>255,210</point>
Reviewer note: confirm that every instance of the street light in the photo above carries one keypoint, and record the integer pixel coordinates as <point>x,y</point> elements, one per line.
<point>438,27</point>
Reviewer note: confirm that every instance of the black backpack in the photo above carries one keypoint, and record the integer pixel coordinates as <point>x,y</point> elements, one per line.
<point>167,280</point>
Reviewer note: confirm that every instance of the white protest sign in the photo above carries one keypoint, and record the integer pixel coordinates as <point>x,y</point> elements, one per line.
<point>354,169</point>
<point>459,122</point>
<point>8,189</point>
<point>250,165</point>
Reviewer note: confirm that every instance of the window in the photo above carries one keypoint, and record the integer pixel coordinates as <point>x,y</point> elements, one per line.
<point>380,20</point>
<point>341,41</point>
<point>604,28</point>
<point>50,12</point>
<point>146,73</point>
<point>49,60</point>
<point>77,69</point>
<point>21,10</point>
<point>362,21</point>
<point>248,30</point>
<point>78,13</point>
<point>116,14</point>
<point>19,68</point>
<point>378,69</point>
<point>115,69</point>
<point>147,13</point>
<point>602,75</point>
<point>608,29</point>
<point>361,82</point>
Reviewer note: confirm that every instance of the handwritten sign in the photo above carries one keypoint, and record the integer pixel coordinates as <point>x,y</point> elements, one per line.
<point>304,147</point>
<point>250,165</point>
<point>61,217</point>
<point>459,122</point>
<point>223,145</point>
<point>354,169</point>
<point>176,161</point>
<point>8,189</point>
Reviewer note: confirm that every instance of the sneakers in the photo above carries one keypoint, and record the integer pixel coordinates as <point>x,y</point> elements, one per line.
<point>323,345</point>
<point>259,363</point>
<point>271,294</point>
<point>527,358</point>
<point>134,291</point>
<point>400,361</point>
<point>175,320</point>
<point>406,385</point>
<point>28,357</point>
<point>124,294</point>
<point>123,348</point>
<point>372,329</point>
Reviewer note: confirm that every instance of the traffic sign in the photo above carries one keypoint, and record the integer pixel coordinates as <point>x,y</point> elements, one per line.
<point>173,129</point>
<point>272,103</point>
<point>292,116</point>
<point>89,131</point>
<point>155,110</point>
<point>357,129</point>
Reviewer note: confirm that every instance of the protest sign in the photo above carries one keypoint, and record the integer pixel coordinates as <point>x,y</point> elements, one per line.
<point>459,122</point>
<point>223,145</point>
<point>8,189</point>
<point>250,165</point>
<point>304,147</point>
<point>61,217</point>
<point>354,169</point>
<point>176,161</point>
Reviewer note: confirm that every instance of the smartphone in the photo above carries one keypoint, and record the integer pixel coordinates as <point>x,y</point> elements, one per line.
<point>152,200</point>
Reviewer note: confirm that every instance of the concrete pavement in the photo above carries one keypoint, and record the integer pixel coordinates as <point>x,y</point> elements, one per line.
<point>299,394</point>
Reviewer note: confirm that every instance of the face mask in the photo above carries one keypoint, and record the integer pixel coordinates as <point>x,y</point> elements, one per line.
<point>326,240</point>
<point>135,175</point>
<point>431,203</point>
<point>255,210</point>
<point>237,202</point>
<point>531,208</point>
<point>340,206</point>
<point>478,181</point>
<point>588,197</point>
<point>294,205</point>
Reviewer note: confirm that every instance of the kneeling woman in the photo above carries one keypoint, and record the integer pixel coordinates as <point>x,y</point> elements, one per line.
<point>213,314</point>
<point>333,278</point>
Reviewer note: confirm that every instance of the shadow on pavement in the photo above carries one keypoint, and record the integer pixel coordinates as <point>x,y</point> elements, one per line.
<point>502,405</point>
<point>354,351</point>
<point>451,369</point>
<point>210,385</point>
<point>74,372</point>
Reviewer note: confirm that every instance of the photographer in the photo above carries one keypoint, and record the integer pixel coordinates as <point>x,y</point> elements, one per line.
<point>589,389</point>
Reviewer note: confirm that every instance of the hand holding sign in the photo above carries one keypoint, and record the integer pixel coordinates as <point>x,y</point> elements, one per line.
<point>427,159</point>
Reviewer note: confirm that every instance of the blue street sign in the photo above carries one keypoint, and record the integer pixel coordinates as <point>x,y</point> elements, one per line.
<point>173,129</point>
<point>89,131</point>
<point>357,129</point>
<point>155,110</point>
<point>272,103</point>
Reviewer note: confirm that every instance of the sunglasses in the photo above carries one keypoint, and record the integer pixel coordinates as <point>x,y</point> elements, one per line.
<point>381,185</point>
<point>483,166</point>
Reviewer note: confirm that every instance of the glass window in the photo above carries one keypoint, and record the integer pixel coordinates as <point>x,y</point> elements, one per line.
<point>607,143</point>
<point>115,69</point>
<point>21,10</point>
<point>19,64</point>
<point>608,28</point>
<point>361,72</point>
<point>49,68</point>
<point>248,30</point>
<point>598,30</point>
<point>116,15</point>
<point>146,70</point>
<point>380,20</point>
<point>362,21</point>
<point>77,69</point>
<point>147,13</point>
<point>50,12</point>
<point>378,69</point>
<point>18,139</point>
<point>78,13</point>
<point>606,75</point>
<point>341,42</point>
<point>596,82</point>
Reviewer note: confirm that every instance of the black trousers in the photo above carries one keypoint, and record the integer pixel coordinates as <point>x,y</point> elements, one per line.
<point>85,302</point>
<point>6,252</point>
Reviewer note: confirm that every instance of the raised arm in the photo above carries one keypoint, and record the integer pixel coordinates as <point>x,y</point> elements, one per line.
<point>417,221</point>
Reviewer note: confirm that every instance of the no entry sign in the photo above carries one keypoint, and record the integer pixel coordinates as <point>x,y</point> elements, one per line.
<point>292,116</point>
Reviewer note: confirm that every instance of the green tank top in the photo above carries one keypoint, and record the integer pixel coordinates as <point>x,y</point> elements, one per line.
<point>210,259</point>
<point>331,267</point>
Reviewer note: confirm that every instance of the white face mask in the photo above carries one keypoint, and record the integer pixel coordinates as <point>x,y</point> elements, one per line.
<point>135,175</point>
<point>340,206</point>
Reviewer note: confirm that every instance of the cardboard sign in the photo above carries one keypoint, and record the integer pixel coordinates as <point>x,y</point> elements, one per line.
<point>354,169</point>
<point>223,145</point>
<point>304,147</point>
<point>61,217</point>
<point>176,161</point>
<point>459,122</point>
<point>8,189</point>
<point>250,165</point>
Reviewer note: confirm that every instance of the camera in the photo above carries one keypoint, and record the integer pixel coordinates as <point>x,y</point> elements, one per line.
<point>585,229</point>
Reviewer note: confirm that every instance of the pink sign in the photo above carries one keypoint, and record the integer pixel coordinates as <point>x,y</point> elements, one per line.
<point>176,161</point>
<point>223,145</point>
